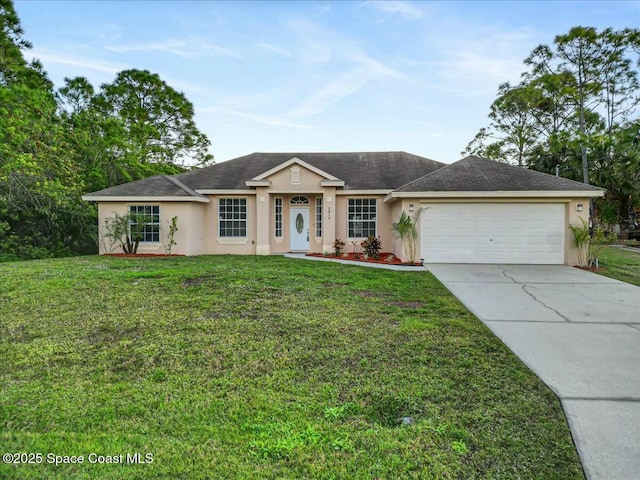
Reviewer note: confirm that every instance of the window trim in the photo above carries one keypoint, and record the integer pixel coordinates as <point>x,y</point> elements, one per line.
<point>278,217</point>
<point>157,224</point>
<point>318,217</point>
<point>361,221</point>
<point>299,200</point>
<point>233,218</point>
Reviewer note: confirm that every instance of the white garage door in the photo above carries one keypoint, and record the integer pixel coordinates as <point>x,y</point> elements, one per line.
<point>493,233</point>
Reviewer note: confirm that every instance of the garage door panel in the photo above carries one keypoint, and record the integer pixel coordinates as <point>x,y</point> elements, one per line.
<point>493,233</point>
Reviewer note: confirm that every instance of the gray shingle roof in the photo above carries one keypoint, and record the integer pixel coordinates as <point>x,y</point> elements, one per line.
<point>399,171</point>
<point>158,186</point>
<point>475,174</point>
<point>359,170</point>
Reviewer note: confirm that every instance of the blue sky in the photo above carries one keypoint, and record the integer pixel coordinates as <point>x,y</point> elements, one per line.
<point>315,76</point>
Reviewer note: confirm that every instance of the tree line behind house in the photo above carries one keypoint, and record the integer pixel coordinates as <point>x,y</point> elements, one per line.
<point>574,113</point>
<point>57,144</point>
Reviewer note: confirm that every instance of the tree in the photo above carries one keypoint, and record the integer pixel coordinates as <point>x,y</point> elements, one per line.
<point>99,142</point>
<point>55,146</point>
<point>569,110</point>
<point>12,44</point>
<point>512,127</point>
<point>39,186</point>
<point>157,119</point>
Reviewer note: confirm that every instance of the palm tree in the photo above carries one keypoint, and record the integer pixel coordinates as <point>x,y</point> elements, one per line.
<point>406,229</point>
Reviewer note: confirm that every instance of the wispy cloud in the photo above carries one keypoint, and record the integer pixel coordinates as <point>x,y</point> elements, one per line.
<point>342,86</point>
<point>396,8</point>
<point>255,117</point>
<point>347,66</point>
<point>172,47</point>
<point>220,50</point>
<point>477,61</point>
<point>64,58</point>
<point>274,49</point>
<point>329,93</point>
<point>313,44</point>
<point>190,48</point>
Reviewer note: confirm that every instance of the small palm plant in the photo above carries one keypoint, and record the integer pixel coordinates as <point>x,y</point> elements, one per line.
<point>590,247</point>
<point>581,236</point>
<point>406,229</point>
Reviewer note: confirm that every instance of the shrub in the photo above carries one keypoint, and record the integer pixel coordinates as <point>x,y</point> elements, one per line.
<point>372,246</point>
<point>590,248</point>
<point>597,244</point>
<point>338,245</point>
<point>173,228</point>
<point>125,230</point>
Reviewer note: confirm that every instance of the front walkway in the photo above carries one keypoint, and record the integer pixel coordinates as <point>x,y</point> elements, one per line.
<point>580,333</point>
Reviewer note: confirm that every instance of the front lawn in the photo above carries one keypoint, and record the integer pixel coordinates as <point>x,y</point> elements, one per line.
<point>262,367</point>
<point>620,264</point>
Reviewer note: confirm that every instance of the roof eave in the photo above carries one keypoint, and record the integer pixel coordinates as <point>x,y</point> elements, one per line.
<point>257,183</point>
<point>332,183</point>
<point>139,198</point>
<point>500,194</point>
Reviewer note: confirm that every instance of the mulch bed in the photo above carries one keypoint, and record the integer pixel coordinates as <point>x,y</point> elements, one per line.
<point>358,257</point>
<point>592,269</point>
<point>144,255</point>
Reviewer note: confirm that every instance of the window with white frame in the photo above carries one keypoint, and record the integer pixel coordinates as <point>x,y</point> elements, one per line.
<point>361,215</point>
<point>145,223</point>
<point>318,216</point>
<point>232,217</point>
<point>277,206</point>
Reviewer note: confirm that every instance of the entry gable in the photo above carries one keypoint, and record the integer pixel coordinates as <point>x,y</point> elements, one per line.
<point>295,167</point>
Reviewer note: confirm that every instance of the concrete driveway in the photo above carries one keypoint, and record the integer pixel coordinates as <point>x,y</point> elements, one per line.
<point>580,333</point>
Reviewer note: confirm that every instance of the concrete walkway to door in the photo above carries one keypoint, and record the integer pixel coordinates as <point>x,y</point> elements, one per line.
<point>580,333</point>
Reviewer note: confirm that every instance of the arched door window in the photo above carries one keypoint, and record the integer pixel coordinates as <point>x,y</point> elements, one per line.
<point>299,201</point>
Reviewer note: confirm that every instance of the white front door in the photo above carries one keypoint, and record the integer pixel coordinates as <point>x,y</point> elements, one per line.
<point>299,228</point>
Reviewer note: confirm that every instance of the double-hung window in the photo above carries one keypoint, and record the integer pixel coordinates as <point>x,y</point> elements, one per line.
<point>361,217</point>
<point>232,215</point>
<point>144,223</point>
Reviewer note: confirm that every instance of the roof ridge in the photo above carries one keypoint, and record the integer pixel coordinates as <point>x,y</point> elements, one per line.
<point>331,153</point>
<point>186,189</point>
<point>428,174</point>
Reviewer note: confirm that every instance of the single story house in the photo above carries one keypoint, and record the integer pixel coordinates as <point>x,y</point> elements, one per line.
<point>475,210</point>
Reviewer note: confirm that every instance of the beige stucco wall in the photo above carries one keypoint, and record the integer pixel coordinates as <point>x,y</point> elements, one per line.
<point>573,218</point>
<point>383,221</point>
<point>198,222</point>
<point>282,244</point>
<point>291,181</point>
<point>281,181</point>
<point>213,244</point>
<point>396,210</point>
<point>188,238</point>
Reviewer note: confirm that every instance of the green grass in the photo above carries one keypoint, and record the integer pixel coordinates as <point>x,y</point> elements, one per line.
<point>620,264</point>
<point>263,367</point>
